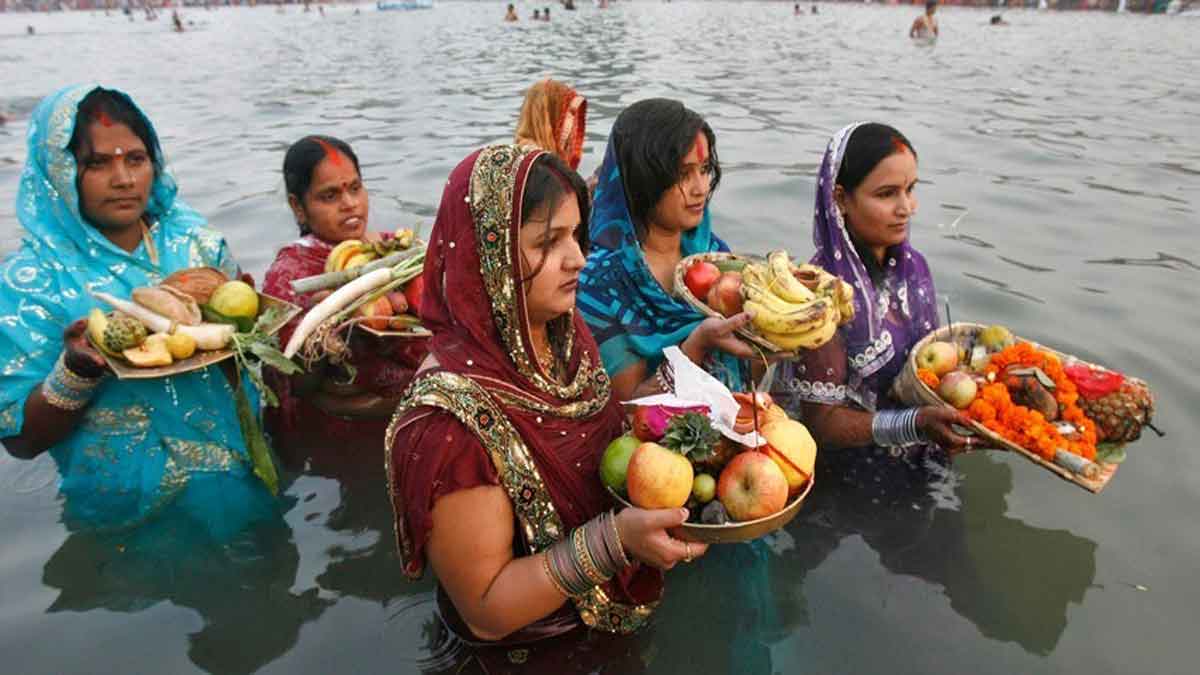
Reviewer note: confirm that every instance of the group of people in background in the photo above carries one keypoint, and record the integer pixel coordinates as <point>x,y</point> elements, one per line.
<point>550,301</point>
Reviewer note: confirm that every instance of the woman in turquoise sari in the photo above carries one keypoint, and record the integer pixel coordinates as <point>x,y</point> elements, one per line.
<point>100,213</point>
<point>651,211</point>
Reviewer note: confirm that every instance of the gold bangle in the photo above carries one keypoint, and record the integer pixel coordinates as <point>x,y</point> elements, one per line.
<point>558,585</point>
<point>612,518</point>
<point>62,402</point>
<point>585,559</point>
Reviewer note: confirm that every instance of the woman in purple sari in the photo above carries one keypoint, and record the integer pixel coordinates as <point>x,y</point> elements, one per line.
<point>865,202</point>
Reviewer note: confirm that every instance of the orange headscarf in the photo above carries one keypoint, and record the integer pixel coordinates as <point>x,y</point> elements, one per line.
<point>553,118</point>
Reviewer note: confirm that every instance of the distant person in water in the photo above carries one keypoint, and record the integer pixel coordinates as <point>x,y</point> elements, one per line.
<point>998,20</point>
<point>29,30</point>
<point>815,10</point>
<point>511,15</point>
<point>545,14</point>
<point>178,21</point>
<point>537,16</point>
<point>925,26</point>
<point>796,9</point>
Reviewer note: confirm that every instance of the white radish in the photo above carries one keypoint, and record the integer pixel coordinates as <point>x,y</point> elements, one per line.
<point>208,336</point>
<point>333,304</point>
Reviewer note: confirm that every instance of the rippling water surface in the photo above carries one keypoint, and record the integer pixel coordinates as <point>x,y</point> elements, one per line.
<point>1064,146</point>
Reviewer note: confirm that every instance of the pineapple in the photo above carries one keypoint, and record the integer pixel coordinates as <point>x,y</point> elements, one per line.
<point>1120,415</point>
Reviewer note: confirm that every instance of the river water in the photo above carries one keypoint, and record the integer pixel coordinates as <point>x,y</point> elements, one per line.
<point>1064,146</point>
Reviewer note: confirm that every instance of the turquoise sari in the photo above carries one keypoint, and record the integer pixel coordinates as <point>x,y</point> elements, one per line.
<point>143,446</point>
<point>629,313</point>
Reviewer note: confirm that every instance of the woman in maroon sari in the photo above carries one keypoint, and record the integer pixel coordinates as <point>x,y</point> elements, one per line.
<point>330,204</point>
<point>493,453</point>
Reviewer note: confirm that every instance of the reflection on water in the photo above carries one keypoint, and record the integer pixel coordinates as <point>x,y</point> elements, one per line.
<point>1070,138</point>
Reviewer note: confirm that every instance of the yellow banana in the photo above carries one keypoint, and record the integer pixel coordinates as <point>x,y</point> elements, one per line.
<point>341,253</point>
<point>845,303</point>
<point>797,322</point>
<point>783,283</point>
<point>358,260</point>
<point>773,302</point>
<point>755,276</point>
<point>811,340</point>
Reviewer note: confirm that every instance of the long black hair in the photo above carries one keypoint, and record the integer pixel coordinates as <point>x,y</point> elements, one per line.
<point>550,181</point>
<point>303,157</point>
<point>108,106</point>
<point>651,138</point>
<point>869,144</point>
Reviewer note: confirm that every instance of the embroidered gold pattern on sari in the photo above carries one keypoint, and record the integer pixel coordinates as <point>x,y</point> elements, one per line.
<point>541,526</point>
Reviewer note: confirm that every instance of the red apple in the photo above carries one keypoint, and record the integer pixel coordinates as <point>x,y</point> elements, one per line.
<point>413,291</point>
<point>700,278</point>
<point>377,313</point>
<point>958,389</point>
<point>658,478</point>
<point>725,296</point>
<point>940,357</point>
<point>752,486</point>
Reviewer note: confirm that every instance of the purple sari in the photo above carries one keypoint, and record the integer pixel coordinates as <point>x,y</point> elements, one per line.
<point>858,366</point>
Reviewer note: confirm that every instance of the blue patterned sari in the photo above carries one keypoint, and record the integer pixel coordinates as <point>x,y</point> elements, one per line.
<point>630,314</point>
<point>142,446</point>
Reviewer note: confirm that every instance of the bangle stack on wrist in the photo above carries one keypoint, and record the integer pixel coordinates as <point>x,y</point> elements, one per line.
<point>664,376</point>
<point>67,390</point>
<point>891,428</point>
<point>587,557</point>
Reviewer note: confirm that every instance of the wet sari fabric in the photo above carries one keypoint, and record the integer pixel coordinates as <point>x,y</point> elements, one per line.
<point>142,446</point>
<point>488,414</point>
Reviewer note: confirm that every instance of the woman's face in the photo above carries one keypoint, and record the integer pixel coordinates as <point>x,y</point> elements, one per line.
<point>681,207</point>
<point>551,292</point>
<point>335,207</point>
<point>115,180</point>
<point>879,210</point>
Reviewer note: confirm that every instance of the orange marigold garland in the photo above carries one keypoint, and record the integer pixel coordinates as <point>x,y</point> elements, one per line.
<point>928,377</point>
<point>994,408</point>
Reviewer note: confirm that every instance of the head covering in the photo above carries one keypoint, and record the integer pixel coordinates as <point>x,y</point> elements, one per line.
<point>631,315</point>
<point>140,442</point>
<point>553,118</point>
<point>538,429</point>
<point>875,345</point>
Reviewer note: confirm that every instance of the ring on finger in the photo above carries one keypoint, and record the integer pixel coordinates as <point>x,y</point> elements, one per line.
<point>687,552</point>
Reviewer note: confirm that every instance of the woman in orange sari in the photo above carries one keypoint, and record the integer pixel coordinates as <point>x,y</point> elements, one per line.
<point>493,453</point>
<point>554,118</point>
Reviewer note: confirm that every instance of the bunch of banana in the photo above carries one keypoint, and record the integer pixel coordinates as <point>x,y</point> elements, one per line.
<point>355,252</point>
<point>795,308</point>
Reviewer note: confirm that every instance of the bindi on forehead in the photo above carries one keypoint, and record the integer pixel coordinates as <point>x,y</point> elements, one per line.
<point>103,118</point>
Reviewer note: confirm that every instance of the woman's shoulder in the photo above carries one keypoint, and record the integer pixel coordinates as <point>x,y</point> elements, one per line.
<point>28,277</point>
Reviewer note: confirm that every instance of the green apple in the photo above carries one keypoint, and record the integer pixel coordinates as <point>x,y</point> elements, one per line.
<point>704,488</point>
<point>615,461</point>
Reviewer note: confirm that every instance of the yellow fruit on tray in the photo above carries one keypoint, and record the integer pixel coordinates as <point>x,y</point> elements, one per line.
<point>358,260</point>
<point>181,345</point>
<point>152,353</point>
<point>341,253</point>
<point>235,299</point>
<point>791,447</point>
<point>658,478</point>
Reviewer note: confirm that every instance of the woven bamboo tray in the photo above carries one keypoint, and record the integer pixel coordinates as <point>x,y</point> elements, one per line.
<point>201,359</point>
<point>732,533</point>
<point>912,391</point>
<point>746,332</point>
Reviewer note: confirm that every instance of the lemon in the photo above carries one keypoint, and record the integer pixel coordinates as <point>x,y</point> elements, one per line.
<point>181,345</point>
<point>235,299</point>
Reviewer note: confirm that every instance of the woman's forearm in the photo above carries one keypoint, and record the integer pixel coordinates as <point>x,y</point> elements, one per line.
<point>45,426</point>
<point>520,595</point>
<point>836,426</point>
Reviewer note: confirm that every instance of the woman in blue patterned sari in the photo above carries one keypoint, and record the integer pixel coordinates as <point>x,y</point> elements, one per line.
<point>651,211</point>
<point>100,213</point>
